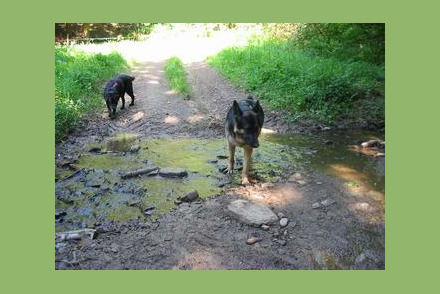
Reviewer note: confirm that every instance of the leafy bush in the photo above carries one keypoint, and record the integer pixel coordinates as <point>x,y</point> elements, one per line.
<point>305,86</point>
<point>78,80</point>
<point>345,41</point>
<point>176,75</point>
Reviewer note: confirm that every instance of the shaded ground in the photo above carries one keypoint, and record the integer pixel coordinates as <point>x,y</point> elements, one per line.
<point>332,193</point>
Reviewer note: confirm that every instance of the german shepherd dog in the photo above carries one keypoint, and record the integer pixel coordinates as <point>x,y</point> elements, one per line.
<point>115,89</point>
<point>243,126</point>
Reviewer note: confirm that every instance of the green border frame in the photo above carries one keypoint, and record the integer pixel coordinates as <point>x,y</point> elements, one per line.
<point>28,148</point>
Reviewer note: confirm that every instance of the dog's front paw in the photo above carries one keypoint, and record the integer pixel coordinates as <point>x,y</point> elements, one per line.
<point>245,181</point>
<point>131,104</point>
<point>122,107</point>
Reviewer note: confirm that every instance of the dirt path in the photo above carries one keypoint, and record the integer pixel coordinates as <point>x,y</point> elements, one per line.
<point>331,225</point>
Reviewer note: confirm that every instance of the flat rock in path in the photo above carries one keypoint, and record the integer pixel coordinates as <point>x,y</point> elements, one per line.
<point>172,172</point>
<point>252,213</point>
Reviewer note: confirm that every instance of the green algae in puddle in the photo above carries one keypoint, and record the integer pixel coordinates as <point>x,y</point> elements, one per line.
<point>190,154</point>
<point>270,161</point>
<point>115,207</point>
<point>121,142</point>
<point>163,192</point>
<point>62,173</point>
<point>110,161</point>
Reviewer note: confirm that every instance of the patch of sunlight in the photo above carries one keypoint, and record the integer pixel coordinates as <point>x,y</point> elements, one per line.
<point>187,44</point>
<point>276,195</point>
<point>170,92</point>
<point>200,259</point>
<point>346,173</point>
<point>172,120</point>
<point>138,115</point>
<point>268,131</point>
<point>195,118</point>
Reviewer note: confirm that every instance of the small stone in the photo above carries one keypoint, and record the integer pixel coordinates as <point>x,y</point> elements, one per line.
<point>360,258</point>
<point>149,210</point>
<point>370,143</point>
<point>282,242</point>
<point>59,214</point>
<point>212,161</point>
<point>380,154</point>
<point>190,197</point>
<point>114,247</point>
<point>135,148</point>
<point>297,178</point>
<point>134,202</point>
<point>95,149</point>
<point>280,215</point>
<point>265,227</point>
<point>252,240</point>
<point>316,205</point>
<point>318,183</point>
<point>283,222</point>
<point>327,202</point>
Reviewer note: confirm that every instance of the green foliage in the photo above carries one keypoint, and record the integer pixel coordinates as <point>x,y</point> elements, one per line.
<point>176,75</point>
<point>345,41</point>
<point>321,88</point>
<point>64,31</point>
<point>78,80</point>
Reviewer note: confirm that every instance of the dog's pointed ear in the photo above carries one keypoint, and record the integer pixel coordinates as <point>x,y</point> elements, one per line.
<point>236,107</point>
<point>257,105</point>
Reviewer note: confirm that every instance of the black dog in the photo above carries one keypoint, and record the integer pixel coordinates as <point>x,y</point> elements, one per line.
<point>115,89</point>
<point>243,126</point>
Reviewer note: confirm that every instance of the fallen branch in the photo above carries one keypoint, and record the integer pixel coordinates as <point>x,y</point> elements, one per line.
<point>75,235</point>
<point>139,172</point>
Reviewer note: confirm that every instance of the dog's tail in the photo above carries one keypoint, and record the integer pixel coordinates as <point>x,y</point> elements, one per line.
<point>132,78</point>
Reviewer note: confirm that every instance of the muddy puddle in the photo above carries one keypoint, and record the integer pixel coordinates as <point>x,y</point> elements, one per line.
<point>91,191</point>
<point>340,155</point>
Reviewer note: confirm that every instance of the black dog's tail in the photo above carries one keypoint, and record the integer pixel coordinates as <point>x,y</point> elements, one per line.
<point>132,78</point>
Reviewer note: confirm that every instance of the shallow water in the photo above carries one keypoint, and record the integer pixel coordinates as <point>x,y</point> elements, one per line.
<point>339,155</point>
<point>98,195</point>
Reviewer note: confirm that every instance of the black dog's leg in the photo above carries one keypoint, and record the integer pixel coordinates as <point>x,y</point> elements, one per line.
<point>123,101</point>
<point>109,109</point>
<point>130,93</point>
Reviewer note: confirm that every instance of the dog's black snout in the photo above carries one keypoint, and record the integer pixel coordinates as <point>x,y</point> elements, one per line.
<point>256,145</point>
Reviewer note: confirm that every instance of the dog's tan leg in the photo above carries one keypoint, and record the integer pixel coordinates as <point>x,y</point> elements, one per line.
<point>246,165</point>
<point>231,148</point>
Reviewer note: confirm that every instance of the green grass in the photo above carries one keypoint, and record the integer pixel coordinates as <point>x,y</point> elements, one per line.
<point>78,85</point>
<point>306,87</point>
<point>176,76</point>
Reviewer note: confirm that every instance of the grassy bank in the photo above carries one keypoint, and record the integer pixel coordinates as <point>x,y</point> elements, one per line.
<point>322,89</point>
<point>78,85</point>
<point>176,76</point>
